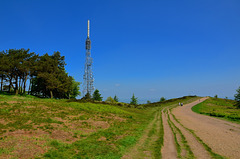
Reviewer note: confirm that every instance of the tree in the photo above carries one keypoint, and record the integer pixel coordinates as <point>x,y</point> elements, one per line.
<point>110,99</point>
<point>162,99</point>
<point>133,100</point>
<point>216,96</point>
<point>148,102</point>
<point>87,96</point>
<point>237,98</point>
<point>51,70</point>
<point>3,66</point>
<point>97,95</point>
<point>74,89</point>
<point>47,74</point>
<point>115,98</point>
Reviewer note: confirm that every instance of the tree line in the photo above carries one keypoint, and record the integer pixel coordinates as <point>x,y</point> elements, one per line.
<point>44,75</point>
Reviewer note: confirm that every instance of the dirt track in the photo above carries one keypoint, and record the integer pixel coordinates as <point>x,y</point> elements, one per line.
<point>189,135</point>
<point>221,136</point>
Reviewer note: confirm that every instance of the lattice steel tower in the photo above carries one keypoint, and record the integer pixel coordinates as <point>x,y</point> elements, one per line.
<point>88,73</point>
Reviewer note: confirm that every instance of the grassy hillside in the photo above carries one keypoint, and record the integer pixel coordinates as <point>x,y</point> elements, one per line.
<point>222,108</point>
<point>46,128</point>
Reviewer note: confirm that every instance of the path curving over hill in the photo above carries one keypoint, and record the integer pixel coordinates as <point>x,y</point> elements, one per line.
<point>178,132</point>
<point>221,136</point>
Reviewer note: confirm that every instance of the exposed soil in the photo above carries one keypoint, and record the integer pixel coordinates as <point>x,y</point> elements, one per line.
<point>24,144</point>
<point>221,136</point>
<point>197,148</point>
<point>63,136</point>
<point>169,149</point>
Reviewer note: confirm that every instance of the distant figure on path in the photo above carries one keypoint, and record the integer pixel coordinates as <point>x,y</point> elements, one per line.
<point>181,104</point>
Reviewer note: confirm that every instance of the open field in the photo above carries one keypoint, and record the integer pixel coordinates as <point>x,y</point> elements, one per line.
<point>47,128</point>
<point>221,108</point>
<point>33,127</point>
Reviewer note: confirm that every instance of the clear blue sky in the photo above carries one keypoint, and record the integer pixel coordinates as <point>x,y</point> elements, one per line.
<point>152,48</point>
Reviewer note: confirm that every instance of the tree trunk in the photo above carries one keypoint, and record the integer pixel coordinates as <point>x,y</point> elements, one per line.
<point>2,83</point>
<point>10,84</point>
<point>24,85</point>
<point>51,94</point>
<point>19,85</point>
<point>30,87</point>
<point>16,87</point>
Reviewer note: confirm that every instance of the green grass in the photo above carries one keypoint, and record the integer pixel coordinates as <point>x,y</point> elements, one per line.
<point>221,108</point>
<point>159,142</point>
<point>82,124</point>
<point>63,129</point>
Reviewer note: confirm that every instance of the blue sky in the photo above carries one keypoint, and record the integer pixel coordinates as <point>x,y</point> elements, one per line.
<point>150,48</point>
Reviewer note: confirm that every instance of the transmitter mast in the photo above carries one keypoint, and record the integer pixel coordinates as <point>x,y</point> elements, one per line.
<point>88,73</point>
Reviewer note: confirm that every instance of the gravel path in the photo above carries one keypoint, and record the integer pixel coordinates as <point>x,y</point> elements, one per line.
<point>169,148</point>
<point>197,148</point>
<point>221,136</point>
<point>190,135</point>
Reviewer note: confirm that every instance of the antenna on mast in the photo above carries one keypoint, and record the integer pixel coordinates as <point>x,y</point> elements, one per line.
<point>88,29</point>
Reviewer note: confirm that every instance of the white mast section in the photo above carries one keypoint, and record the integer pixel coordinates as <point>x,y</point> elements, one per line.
<point>88,33</point>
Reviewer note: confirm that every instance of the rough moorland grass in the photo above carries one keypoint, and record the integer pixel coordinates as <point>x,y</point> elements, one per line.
<point>221,108</point>
<point>69,130</point>
<point>61,129</point>
<point>159,141</point>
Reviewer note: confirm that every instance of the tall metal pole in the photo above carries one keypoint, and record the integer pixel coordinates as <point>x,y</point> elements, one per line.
<point>88,73</point>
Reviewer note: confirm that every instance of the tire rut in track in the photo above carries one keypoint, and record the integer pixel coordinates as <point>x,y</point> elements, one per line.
<point>169,150</point>
<point>220,137</point>
<point>197,148</point>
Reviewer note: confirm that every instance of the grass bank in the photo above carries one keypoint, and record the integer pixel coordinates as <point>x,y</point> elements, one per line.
<point>31,127</point>
<point>221,108</point>
<point>48,128</point>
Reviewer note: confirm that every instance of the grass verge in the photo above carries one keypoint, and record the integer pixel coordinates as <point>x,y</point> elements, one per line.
<point>220,108</point>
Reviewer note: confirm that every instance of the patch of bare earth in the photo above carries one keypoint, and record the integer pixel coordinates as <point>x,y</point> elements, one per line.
<point>63,136</point>
<point>4,122</point>
<point>221,136</point>
<point>102,138</point>
<point>116,118</point>
<point>169,150</point>
<point>23,144</point>
<point>35,133</point>
<point>9,102</point>
<point>89,124</point>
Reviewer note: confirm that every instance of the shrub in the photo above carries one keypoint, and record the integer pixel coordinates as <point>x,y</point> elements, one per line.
<point>97,95</point>
<point>110,99</point>
<point>133,100</point>
<point>237,98</point>
<point>115,98</point>
<point>162,99</point>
